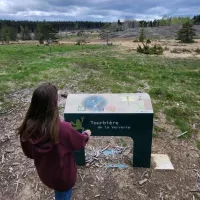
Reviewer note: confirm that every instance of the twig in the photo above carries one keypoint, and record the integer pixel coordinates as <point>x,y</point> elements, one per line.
<point>195,170</point>
<point>25,174</point>
<point>178,136</point>
<point>36,187</point>
<point>97,177</point>
<point>10,150</point>
<point>144,174</point>
<point>105,148</point>
<point>97,153</point>
<point>8,111</point>
<point>81,176</point>
<point>195,191</point>
<point>3,158</point>
<point>181,134</point>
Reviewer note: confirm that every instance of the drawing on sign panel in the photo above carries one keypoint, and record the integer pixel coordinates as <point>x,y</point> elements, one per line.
<point>128,99</point>
<point>141,105</point>
<point>134,100</point>
<point>95,103</point>
<point>81,108</point>
<point>78,125</point>
<point>111,108</point>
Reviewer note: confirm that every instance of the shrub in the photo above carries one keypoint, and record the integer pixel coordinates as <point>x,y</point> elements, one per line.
<point>158,50</point>
<point>146,49</point>
<point>197,50</point>
<point>136,40</point>
<point>186,50</point>
<point>187,33</point>
<point>166,49</point>
<point>80,41</point>
<point>148,41</point>
<point>80,33</point>
<point>175,50</point>
<point>142,35</point>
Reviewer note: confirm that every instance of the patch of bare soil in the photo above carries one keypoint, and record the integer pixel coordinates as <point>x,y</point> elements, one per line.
<point>19,180</point>
<point>183,50</point>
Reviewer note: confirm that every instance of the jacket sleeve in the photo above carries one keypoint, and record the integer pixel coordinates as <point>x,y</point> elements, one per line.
<point>73,139</point>
<point>27,149</point>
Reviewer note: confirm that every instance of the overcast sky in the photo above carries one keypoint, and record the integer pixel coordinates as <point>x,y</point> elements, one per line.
<point>96,10</point>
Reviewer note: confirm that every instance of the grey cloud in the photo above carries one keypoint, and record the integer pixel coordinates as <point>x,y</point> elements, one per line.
<point>96,10</point>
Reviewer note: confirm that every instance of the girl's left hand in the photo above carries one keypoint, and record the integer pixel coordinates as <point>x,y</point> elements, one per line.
<point>88,132</point>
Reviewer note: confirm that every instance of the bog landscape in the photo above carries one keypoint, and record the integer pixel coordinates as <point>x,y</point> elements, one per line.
<point>160,58</point>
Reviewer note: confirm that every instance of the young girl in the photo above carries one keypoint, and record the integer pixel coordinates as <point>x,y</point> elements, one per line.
<point>51,142</point>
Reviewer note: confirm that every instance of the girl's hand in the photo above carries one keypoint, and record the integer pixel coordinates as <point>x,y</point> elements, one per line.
<point>88,132</point>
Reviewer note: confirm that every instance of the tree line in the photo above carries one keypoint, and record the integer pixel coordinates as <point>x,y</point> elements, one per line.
<point>57,25</point>
<point>169,21</point>
<point>42,30</point>
<point>10,29</point>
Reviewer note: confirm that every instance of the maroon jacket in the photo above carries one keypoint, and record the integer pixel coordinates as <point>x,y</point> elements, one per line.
<point>55,163</point>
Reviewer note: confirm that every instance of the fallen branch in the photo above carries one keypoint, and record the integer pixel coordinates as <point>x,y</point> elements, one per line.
<point>81,176</point>
<point>105,148</point>
<point>195,191</point>
<point>36,187</point>
<point>3,158</point>
<point>181,134</point>
<point>8,111</point>
<point>178,136</point>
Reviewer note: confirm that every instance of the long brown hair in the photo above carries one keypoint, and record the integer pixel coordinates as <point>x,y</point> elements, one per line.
<point>42,117</point>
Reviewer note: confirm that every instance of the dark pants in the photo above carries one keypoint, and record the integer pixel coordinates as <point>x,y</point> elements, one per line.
<point>63,195</point>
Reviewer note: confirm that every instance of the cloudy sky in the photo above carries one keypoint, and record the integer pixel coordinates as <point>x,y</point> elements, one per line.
<point>96,10</point>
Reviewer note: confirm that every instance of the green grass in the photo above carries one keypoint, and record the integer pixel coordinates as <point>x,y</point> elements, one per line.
<point>173,84</point>
<point>198,144</point>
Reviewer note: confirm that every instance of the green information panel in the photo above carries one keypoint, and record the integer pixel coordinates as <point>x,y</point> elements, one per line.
<point>125,114</point>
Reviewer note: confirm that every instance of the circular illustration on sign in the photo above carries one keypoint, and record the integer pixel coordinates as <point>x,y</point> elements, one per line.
<point>95,103</point>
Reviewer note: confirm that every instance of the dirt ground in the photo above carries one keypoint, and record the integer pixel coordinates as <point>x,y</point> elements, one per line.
<point>19,180</point>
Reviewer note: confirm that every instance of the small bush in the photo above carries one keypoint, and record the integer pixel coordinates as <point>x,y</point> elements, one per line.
<point>187,33</point>
<point>136,40</point>
<point>148,41</point>
<point>197,50</point>
<point>142,35</point>
<point>198,144</point>
<point>80,33</point>
<point>146,49</point>
<point>158,50</point>
<point>175,50</point>
<point>186,50</point>
<point>166,49</point>
<point>41,41</point>
<point>78,42</point>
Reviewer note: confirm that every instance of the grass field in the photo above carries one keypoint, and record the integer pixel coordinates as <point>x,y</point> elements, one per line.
<point>174,84</point>
<point>174,87</point>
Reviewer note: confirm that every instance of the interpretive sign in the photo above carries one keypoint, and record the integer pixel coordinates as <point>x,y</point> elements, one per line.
<point>123,114</point>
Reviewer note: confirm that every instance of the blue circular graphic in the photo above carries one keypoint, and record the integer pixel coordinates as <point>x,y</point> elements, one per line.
<point>95,103</point>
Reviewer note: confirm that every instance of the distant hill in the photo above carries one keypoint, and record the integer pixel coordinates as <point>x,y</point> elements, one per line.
<point>162,32</point>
